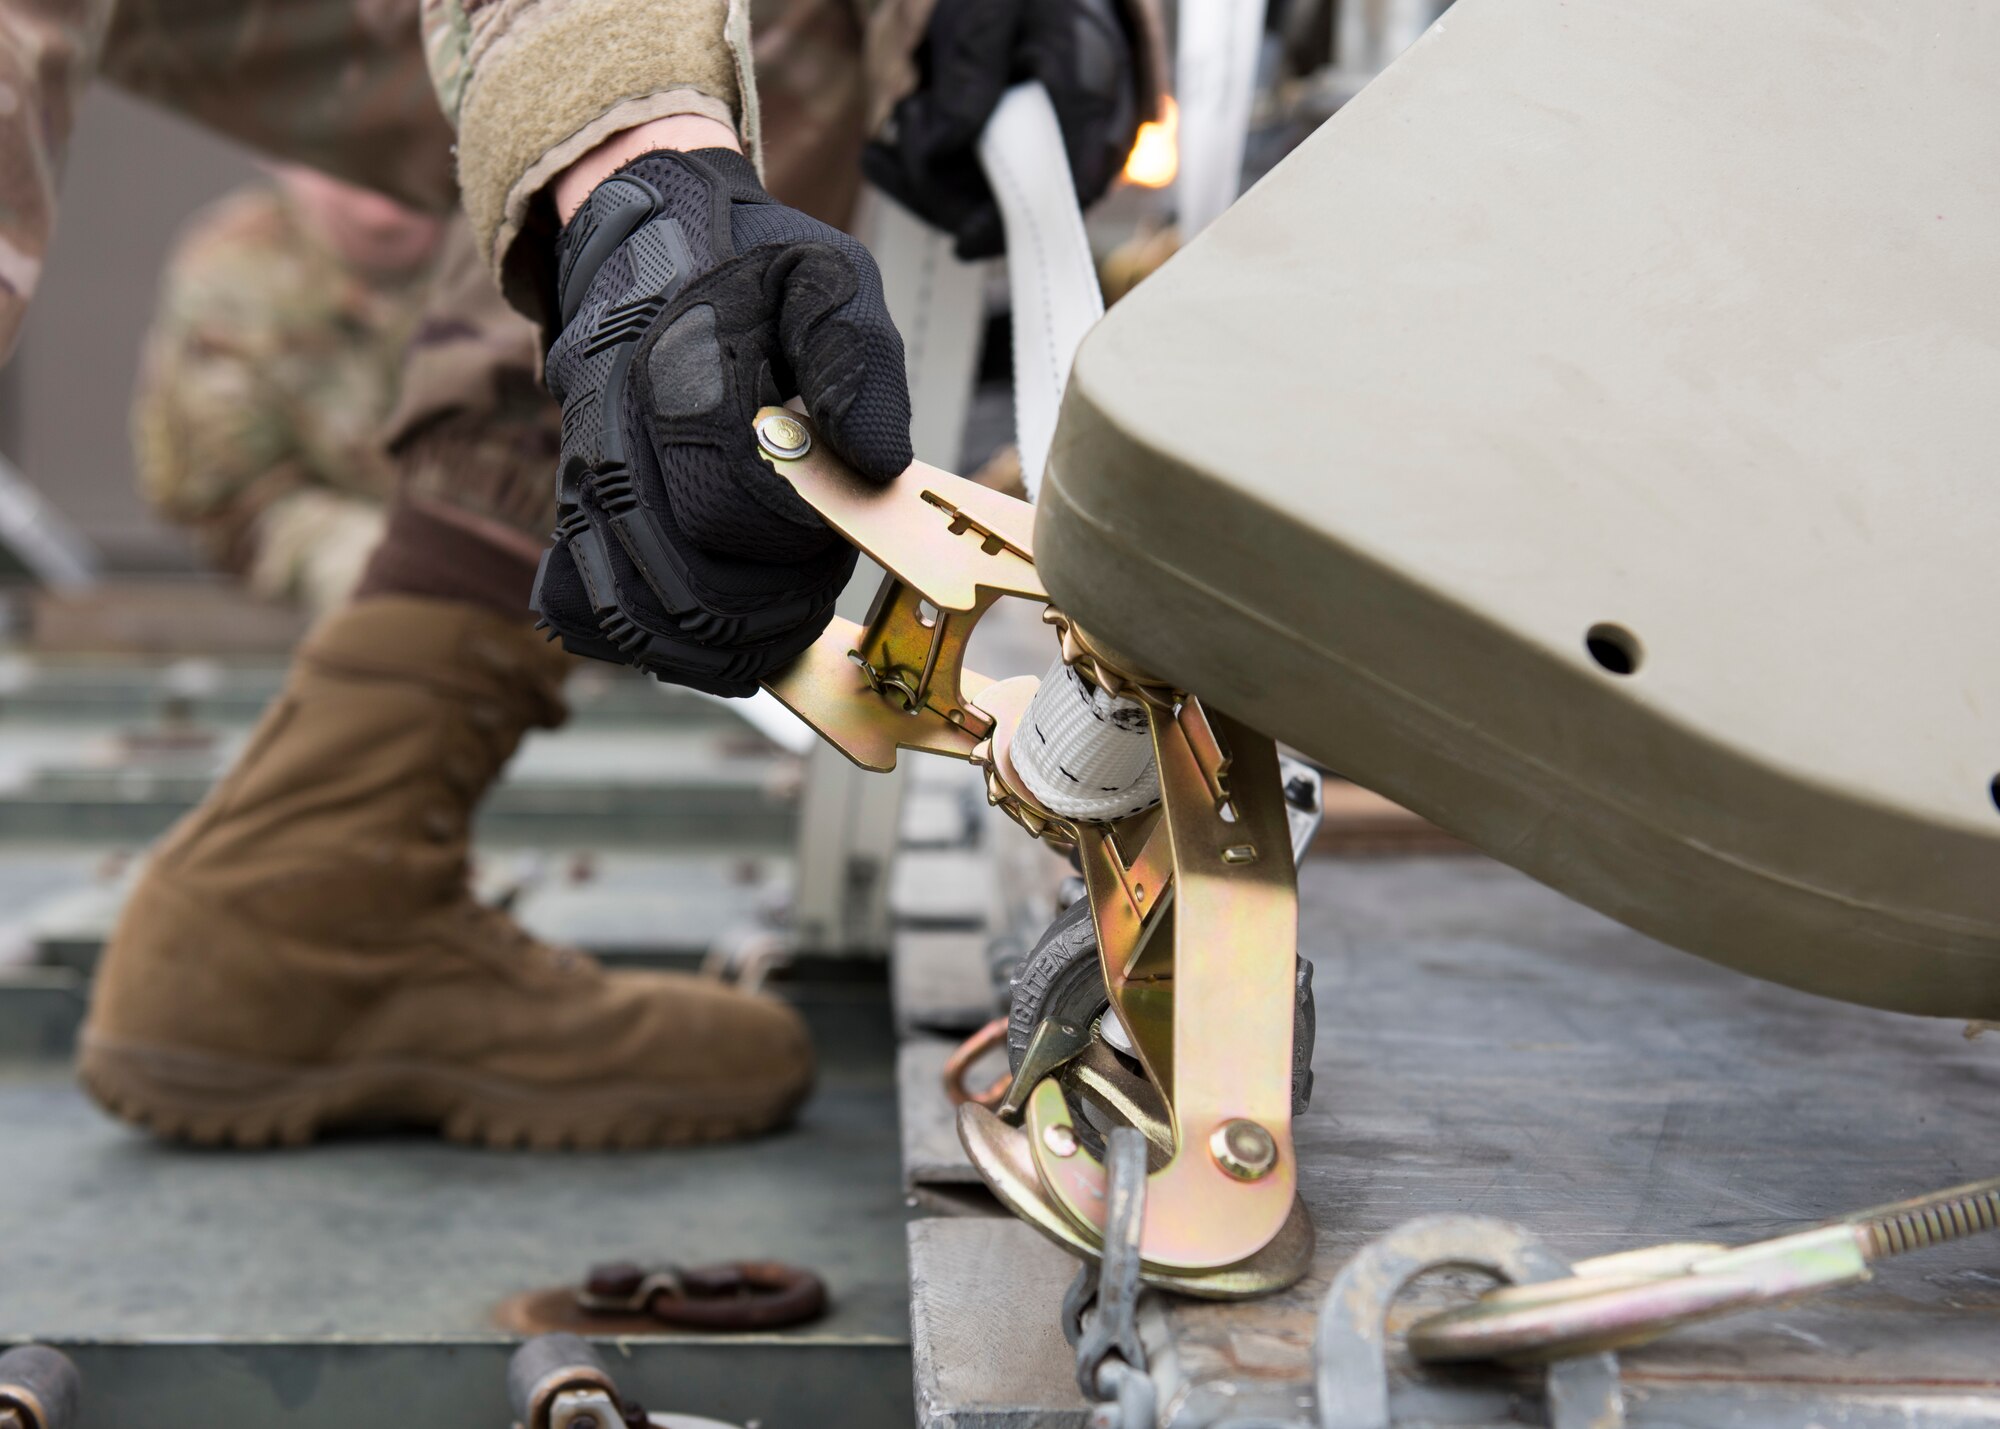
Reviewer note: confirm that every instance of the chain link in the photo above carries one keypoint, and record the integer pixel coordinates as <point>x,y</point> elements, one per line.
<point>1100,1309</point>
<point>1132,1404</point>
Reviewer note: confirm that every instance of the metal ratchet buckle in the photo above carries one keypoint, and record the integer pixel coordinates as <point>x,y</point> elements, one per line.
<point>1194,900</point>
<point>1618,1301</point>
<point>734,1295</point>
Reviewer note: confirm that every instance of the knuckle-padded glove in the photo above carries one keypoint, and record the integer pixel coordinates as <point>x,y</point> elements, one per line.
<point>927,158</point>
<point>689,298</point>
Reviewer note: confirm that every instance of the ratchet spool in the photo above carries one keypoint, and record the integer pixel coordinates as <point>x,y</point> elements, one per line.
<point>1085,753</point>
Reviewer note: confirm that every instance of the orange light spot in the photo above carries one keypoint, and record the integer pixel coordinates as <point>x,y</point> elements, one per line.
<point>1156,154</point>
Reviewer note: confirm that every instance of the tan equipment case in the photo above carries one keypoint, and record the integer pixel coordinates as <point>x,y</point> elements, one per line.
<point>1596,338</point>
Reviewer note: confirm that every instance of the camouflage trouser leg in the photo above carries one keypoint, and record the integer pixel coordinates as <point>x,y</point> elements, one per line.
<point>473,440</point>
<point>473,427</point>
<point>47,48</point>
<point>474,434</point>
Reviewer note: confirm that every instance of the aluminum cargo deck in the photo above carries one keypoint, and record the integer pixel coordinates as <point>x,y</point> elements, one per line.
<point>1486,1047</point>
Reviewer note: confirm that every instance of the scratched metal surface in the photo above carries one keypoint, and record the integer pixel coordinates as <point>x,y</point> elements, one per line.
<point>1487,1047</point>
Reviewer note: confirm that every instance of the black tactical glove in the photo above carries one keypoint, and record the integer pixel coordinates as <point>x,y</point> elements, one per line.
<point>927,158</point>
<point>690,298</point>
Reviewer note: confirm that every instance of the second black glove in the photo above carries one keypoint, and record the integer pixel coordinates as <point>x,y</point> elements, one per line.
<point>1083,53</point>
<point>690,298</point>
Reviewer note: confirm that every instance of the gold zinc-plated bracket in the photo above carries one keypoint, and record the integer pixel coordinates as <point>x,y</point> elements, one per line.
<point>1196,911</point>
<point>952,548</point>
<point>1194,901</point>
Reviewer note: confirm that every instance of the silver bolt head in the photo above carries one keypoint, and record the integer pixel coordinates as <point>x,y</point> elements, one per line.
<point>1244,1150</point>
<point>783,436</point>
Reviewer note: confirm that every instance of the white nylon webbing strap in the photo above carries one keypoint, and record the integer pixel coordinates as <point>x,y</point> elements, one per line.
<point>1050,273</point>
<point>1215,79</point>
<point>1085,754</point>
<point>1082,753</point>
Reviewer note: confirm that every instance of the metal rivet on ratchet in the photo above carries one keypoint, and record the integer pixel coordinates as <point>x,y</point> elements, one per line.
<point>783,436</point>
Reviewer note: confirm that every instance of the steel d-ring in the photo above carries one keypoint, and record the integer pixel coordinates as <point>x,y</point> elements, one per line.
<point>1350,1367</point>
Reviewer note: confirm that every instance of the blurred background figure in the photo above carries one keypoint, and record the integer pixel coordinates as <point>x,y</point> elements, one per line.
<point>270,369</point>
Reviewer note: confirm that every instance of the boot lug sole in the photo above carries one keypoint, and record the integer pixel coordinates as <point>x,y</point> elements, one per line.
<point>203,1099</point>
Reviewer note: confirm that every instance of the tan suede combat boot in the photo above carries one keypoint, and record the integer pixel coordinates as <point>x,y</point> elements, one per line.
<point>303,950</point>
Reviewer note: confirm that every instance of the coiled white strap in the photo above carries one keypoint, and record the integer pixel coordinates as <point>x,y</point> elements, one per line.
<point>1083,753</point>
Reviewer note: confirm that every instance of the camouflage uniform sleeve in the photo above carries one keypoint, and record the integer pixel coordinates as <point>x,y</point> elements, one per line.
<point>338,85</point>
<point>212,443</point>
<point>533,85</point>
<point>47,49</point>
